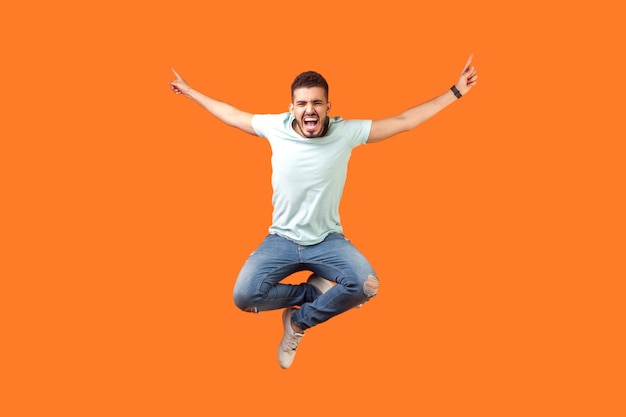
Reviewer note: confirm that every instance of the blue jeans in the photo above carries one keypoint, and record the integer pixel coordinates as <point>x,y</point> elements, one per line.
<point>258,286</point>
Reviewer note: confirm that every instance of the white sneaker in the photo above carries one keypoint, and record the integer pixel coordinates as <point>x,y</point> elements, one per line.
<point>289,343</point>
<point>322,284</point>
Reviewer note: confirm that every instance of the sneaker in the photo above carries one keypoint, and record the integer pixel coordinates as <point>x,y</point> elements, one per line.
<point>289,342</point>
<point>322,284</point>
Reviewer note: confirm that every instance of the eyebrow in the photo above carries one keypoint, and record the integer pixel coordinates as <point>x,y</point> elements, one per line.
<point>317,100</point>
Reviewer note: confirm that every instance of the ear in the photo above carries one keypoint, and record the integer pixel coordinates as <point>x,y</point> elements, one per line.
<point>291,108</point>
<point>328,105</point>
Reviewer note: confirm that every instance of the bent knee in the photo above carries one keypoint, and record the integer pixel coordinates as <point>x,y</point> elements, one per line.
<point>370,286</point>
<point>244,303</point>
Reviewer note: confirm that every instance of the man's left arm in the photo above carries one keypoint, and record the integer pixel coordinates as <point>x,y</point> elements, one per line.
<point>385,128</point>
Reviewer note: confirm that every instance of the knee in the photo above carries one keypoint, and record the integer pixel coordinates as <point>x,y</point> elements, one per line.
<point>244,302</point>
<point>363,288</point>
<point>370,286</point>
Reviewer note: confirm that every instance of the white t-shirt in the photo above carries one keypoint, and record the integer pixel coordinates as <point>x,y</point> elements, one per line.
<point>308,175</point>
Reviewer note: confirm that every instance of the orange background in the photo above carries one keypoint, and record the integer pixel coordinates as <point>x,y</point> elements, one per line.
<point>497,228</point>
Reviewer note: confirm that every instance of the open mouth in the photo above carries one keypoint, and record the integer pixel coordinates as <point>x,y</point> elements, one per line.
<point>310,123</point>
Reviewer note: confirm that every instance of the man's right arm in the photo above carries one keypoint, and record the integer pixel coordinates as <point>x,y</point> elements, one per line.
<point>225,112</point>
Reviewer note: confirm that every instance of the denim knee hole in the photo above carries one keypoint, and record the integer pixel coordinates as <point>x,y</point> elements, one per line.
<point>370,286</point>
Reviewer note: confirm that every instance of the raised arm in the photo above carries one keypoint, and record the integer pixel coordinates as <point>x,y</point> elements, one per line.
<point>385,128</point>
<point>225,112</point>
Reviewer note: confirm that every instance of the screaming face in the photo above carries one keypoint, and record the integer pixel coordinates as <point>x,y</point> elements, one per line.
<point>310,108</point>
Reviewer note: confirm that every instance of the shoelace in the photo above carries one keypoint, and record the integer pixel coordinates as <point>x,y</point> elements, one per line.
<point>293,341</point>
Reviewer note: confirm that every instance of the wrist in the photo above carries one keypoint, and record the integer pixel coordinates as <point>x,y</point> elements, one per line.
<point>456,92</point>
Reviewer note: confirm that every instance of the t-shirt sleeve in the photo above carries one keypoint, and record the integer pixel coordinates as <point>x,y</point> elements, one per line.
<point>359,131</point>
<point>263,124</point>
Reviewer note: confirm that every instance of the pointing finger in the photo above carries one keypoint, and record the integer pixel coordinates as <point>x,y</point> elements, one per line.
<point>467,64</point>
<point>176,74</point>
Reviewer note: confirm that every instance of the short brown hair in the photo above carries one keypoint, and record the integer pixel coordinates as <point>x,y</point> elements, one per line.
<point>309,79</point>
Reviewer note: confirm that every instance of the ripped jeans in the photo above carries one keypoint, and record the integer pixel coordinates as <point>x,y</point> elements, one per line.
<point>258,286</point>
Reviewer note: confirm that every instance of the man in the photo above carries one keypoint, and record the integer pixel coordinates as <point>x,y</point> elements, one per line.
<point>310,153</point>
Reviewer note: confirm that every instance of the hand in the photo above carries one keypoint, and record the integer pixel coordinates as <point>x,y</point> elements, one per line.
<point>468,77</point>
<point>180,86</point>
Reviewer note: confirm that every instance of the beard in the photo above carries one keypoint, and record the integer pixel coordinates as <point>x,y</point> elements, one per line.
<point>310,130</point>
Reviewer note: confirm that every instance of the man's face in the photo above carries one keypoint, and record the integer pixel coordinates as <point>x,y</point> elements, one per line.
<point>310,108</point>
